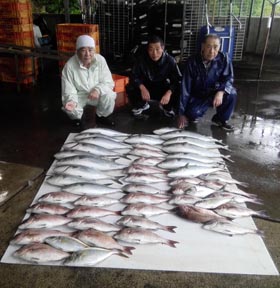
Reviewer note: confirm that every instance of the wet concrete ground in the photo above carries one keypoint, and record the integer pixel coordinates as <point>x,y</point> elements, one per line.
<point>33,128</point>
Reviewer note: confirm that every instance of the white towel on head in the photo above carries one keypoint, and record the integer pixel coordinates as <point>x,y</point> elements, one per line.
<point>84,41</point>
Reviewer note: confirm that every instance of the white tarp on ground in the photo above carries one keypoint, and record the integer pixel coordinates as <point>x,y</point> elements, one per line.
<point>198,250</point>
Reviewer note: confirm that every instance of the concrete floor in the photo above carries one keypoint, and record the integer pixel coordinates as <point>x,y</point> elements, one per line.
<point>33,128</point>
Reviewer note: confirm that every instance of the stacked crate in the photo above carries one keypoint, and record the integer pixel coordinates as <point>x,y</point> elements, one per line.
<point>120,83</point>
<point>16,28</point>
<point>66,35</point>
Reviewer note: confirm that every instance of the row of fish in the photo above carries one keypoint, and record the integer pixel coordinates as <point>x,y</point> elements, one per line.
<point>171,171</point>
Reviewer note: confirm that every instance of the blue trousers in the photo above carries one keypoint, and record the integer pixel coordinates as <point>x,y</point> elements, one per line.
<point>197,107</point>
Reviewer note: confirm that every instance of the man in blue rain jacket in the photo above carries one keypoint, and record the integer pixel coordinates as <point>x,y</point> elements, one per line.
<point>207,82</point>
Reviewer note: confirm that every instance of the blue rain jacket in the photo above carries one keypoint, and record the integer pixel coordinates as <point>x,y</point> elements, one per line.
<point>199,83</point>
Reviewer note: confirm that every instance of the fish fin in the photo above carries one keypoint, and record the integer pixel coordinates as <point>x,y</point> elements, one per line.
<point>170,228</point>
<point>227,157</point>
<point>127,249</point>
<point>171,243</point>
<point>122,255</point>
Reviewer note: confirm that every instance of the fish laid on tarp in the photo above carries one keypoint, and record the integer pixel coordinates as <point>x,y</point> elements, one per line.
<point>213,202</point>
<point>59,197</point>
<point>62,180</point>
<point>229,228</point>
<point>92,223</point>
<point>142,222</point>
<point>144,178</point>
<point>44,221</point>
<point>175,163</point>
<point>90,162</point>
<point>66,243</point>
<point>183,199</point>
<point>237,198</point>
<point>99,239</point>
<point>40,253</point>
<point>88,135</point>
<point>140,209</point>
<point>141,152</point>
<point>97,201</point>
<point>90,189</point>
<point>36,236</point>
<point>88,211</point>
<point>105,142</point>
<point>148,147</point>
<point>199,158</point>
<point>53,209</point>
<point>104,131</point>
<point>70,153</point>
<point>197,214</point>
<point>90,256</point>
<point>192,171</point>
<point>195,142</point>
<point>223,177</point>
<point>181,188</point>
<point>148,189</point>
<point>164,130</point>
<point>144,139</point>
<point>188,148</point>
<point>142,236</point>
<point>140,197</point>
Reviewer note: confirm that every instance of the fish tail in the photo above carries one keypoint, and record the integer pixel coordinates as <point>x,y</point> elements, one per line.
<point>118,212</point>
<point>227,157</point>
<point>127,249</point>
<point>122,255</point>
<point>264,216</point>
<point>171,243</point>
<point>260,233</point>
<point>170,228</point>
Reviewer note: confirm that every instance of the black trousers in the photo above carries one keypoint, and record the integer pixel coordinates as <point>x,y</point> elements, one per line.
<point>156,90</point>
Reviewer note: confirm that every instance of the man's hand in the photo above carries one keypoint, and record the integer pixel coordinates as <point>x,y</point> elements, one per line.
<point>218,99</point>
<point>182,121</point>
<point>93,95</point>
<point>70,106</point>
<point>145,93</point>
<point>166,98</point>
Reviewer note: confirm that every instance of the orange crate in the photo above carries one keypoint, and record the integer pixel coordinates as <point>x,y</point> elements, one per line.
<point>16,21</point>
<point>11,28</point>
<point>77,27</point>
<point>121,100</point>
<point>120,82</point>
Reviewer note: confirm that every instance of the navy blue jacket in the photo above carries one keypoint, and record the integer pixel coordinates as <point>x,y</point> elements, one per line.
<point>199,83</point>
<point>149,72</point>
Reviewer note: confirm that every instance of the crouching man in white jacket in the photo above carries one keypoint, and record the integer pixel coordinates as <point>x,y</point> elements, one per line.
<point>87,86</point>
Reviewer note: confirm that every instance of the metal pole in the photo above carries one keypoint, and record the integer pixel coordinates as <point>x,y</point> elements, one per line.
<point>259,27</point>
<point>66,11</point>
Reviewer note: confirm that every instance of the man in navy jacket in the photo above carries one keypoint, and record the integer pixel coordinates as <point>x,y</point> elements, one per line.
<point>207,82</point>
<point>155,76</point>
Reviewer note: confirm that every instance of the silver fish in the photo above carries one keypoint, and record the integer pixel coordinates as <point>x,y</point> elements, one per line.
<point>190,180</point>
<point>90,257</point>
<point>143,178</point>
<point>183,199</point>
<point>140,209</point>
<point>195,142</point>
<point>81,136</point>
<point>164,130</point>
<point>229,228</point>
<point>93,223</point>
<point>199,158</point>
<point>192,171</point>
<point>62,180</point>
<point>36,236</point>
<point>237,211</point>
<point>213,202</point>
<point>40,253</point>
<point>44,221</point>
<point>142,236</point>
<point>105,142</point>
<point>200,191</point>
<point>144,139</point>
<point>90,189</point>
<point>102,240</point>
<point>91,148</point>
<point>70,153</point>
<point>85,173</point>
<point>130,188</point>
<point>142,222</point>
<point>88,211</point>
<point>90,162</point>
<point>238,198</point>
<point>97,201</point>
<point>223,178</point>
<point>140,197</point>
<point>66,243</point>
<point>197,214</point>
<point>53,209</point>
<point>232,188</point>
<point>104,131</point>
<point>188,148</point>
<point>181,189</point>
<point>175,163</point>
<point>59,197</point>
